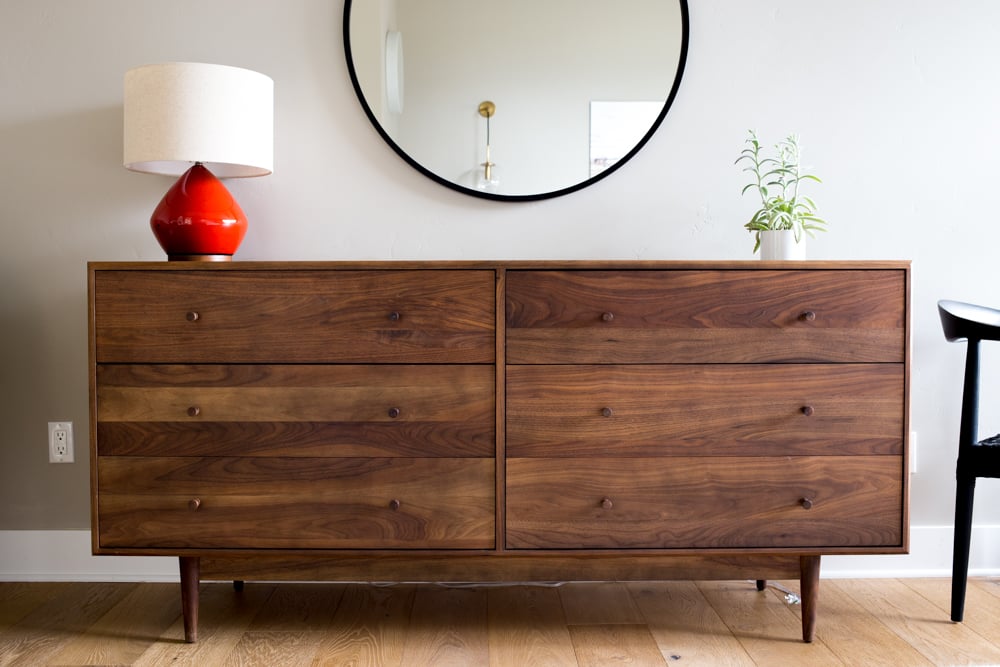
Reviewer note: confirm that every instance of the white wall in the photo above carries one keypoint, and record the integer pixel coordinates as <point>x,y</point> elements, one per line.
<point>896,102</point>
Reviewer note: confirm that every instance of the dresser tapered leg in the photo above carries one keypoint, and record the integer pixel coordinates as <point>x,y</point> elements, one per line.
<point>809,583</point>
<point>190,576</point>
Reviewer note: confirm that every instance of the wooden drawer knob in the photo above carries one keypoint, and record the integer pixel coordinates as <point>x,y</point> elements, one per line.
<point>607,316</point>
<point>394,504</point>
<point>394,316</point>
<point>808,316</point>
<point>606,503</point>
<point>194,411</point>
<point>193,316</point>
<point>607,412</point>
<point>194,504</point>
<point>806,503</point>
<point>393,412</point>
<point>808,410</point>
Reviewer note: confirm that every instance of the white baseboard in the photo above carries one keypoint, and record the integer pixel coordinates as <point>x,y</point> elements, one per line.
<point>64,555</point>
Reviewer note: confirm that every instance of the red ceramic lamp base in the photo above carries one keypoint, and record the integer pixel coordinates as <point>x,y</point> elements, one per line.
<point>198,219</point>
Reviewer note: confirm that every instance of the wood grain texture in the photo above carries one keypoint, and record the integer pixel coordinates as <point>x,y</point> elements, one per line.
<point>344,410</point>
<point>297,393</point>
<point>710,410</point>
<point>366,420</point>
<point>708,346</point>
<point>852,633</point>
<point>306,607</point>
<point>41,634</point>
<point>146,612</point>
<point>981,595</point>
<point>705,316</point>
<point>225,618</point>
<point>921,623</point>
<point>296,503</point>
<point>300,316</point>
<point>598,604</point>
<point>19,598</point>
<point>684,619</point>
<point>766,625</point>
<point>705,298</point>
<point>448,628</point>
<point>527,627</point>
<point>696,502</point>
<point>602,645</point>
<point>686,628</point>
<point>501,567</point>
<point>369,628</point>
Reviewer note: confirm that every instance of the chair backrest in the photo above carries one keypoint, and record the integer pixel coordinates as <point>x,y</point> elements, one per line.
<point>968,321</point>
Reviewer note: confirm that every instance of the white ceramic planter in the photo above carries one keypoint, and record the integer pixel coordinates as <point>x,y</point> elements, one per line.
<point>781,245</point>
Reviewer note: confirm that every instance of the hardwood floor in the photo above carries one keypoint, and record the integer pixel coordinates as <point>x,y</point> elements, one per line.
<point>897,622</point>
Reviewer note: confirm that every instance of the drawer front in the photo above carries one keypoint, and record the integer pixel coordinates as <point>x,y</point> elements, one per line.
<point>679,503</point>
<point>735,316</point>
<point>709,410</point>
<point>260,410</point>
<point>289,503</point>
<point>384,316</point>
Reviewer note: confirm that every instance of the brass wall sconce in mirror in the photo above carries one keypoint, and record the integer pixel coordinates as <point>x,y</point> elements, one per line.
<point>487,180</point>
<point>558,60</point>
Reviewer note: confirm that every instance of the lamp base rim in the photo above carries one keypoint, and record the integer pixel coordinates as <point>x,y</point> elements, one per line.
<point>199,258</point>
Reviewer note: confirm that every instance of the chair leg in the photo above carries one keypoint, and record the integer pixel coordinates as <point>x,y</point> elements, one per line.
<point>964,496</point>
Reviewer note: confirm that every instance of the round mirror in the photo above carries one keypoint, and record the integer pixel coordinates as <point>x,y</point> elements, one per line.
<point>516,99</point>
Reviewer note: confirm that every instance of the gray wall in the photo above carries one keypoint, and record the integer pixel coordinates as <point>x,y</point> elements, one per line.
<point>896,102</point>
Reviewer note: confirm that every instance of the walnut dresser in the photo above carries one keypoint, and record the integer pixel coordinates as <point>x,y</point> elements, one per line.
<point>499,421</point>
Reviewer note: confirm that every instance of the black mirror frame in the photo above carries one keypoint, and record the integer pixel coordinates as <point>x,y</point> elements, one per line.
<point>681,61</point>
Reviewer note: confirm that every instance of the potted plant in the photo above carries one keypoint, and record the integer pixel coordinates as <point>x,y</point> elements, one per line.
<point>785,216</point>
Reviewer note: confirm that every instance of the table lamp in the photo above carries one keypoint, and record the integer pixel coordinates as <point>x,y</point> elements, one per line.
<point>203,122</point>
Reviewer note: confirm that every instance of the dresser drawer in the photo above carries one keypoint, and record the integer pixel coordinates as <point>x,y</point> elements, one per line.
<point>705,410</point>
<point>679,316</point>
<point>295,503</point>
<point>681,503</point>
<point>384,316</point>
<point>323,410</point>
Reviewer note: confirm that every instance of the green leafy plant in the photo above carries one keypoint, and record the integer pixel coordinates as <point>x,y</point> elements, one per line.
<point>777,181</point>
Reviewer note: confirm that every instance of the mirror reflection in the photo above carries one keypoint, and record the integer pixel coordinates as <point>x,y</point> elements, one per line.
<point>519,99</point>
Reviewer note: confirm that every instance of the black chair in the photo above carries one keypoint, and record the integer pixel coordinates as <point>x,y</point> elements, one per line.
<point>976,458</point>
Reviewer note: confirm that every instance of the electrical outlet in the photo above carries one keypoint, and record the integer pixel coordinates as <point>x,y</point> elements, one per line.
<point>60,442</point>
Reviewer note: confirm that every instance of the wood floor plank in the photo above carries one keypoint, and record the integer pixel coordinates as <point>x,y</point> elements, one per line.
<point>618,644</point>
<point>599,604</point>
<point>299,608</point>
<point>224,616</point>
<point>274,649</point>
<point>861,622</point>
<point>527,627</point>
<point>369,628</point>
<point>125,632</point>
<point>447,628</point>
<point>921,623</point>
<point>42,633</point>
<point>685,627</point>
<point>989,584</point>
<point>982,604</point>
<point>859,637</point>
<point>768,628</point>
<point>21,598</point>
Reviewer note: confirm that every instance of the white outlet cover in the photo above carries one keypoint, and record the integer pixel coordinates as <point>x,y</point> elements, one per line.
<point>54,428</point>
